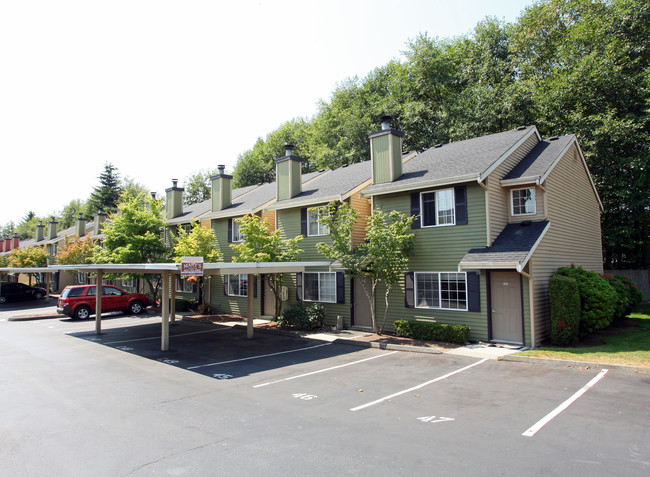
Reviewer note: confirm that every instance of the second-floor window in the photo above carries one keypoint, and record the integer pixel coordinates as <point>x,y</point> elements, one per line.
<point>523,201</point>
<point>236,234</point>
<point>314,226</point>
<point>438,208</point>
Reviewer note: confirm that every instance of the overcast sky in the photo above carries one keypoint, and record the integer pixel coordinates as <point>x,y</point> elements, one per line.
<point>162,89</point>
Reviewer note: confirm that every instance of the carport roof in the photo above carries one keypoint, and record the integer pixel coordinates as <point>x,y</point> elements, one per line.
<point>28,270</point>
<point>208,268</point>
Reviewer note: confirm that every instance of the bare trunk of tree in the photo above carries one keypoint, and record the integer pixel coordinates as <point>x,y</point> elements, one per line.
<point>383,323</point>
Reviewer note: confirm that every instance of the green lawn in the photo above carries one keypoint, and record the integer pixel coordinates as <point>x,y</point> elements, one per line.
<point>631,348</point>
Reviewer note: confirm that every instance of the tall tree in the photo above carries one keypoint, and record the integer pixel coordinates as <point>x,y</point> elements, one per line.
<point>260,244</point>
<point>198,187</point>
<point>70,212</point>
<point>133,235</point>
<point>107,195</point>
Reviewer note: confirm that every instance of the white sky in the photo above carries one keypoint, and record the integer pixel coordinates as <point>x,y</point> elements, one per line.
<point>165,88</point>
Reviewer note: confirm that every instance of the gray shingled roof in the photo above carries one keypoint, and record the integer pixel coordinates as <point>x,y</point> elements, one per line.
<point>466,159</point>
<point>331,184</point>
<point>540,159</point>
<point>256,198</point>
<point>512,246</point>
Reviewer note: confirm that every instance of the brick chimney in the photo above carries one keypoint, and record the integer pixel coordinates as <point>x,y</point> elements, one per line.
<point>174,200</point>
<point>386,153</point>
<point>288,175</point>
<point>221,189</point>
<point>81,226</point>
<point>40,231</point>
<point>2,244</point>
<point>51,229</point>
<point>100,218</point>
<point>16,242</point>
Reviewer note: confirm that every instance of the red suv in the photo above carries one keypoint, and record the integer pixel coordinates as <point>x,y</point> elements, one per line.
<point>78,302</point>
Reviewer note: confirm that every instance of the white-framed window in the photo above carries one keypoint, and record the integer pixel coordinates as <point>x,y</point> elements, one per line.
<point>319,286</point>
<point>82,278</point>
<point>236,285</point>
<point>187,228</point>
<point>523,201</point>
<point>438,208</point>
<point>183,286</point>
<point>128,282</point>
<point>314,227</point>
<point>236,234</point>
<point>441,290</point>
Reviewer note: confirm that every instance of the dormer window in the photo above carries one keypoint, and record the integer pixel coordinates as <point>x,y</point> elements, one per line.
<point>523,201</point>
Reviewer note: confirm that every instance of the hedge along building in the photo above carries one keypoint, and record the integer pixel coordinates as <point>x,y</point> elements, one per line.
<point>496,215</point>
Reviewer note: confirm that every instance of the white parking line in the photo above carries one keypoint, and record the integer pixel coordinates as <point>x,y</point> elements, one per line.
<point>259,356</point>
<point>172,336</point>
<point>324,370</point>
<point>363,406</point>
<point>541,423</point>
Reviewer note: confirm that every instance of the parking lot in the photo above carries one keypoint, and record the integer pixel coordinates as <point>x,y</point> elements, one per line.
<point>220,404</point>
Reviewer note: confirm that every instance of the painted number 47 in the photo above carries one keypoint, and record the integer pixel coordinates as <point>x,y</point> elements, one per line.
<point>304,396</point>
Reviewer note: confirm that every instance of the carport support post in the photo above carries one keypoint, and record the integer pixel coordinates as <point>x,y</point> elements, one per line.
<point>249,324</point>
<point>47,286</point>
<point>165,312</point>
<point>98,303</point>
<point>172,284</point>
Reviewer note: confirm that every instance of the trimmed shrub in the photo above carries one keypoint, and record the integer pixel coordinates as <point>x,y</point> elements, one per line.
<point>432,331</point>
<point>299,316</point>
<point>183,304</point>
<point>565,310</point>
<point>628,294</point>
<point>597,298</point>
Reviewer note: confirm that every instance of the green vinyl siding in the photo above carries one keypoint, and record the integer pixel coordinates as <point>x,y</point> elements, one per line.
<point>288,221</point>
<point>381,166</point>
<point>222,303</point>
<point>396,156</point>
<point>439,249</point>
<point>220,229</point>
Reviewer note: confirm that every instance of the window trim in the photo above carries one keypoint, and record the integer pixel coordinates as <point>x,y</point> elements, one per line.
<point>512,202</point>
<point>440,300</point>
<point>304,288</point>
<point>181,283</point>
<point>228,288</point>
<point>320,226</point>
<point>436,191</point>
<point>235,229</point>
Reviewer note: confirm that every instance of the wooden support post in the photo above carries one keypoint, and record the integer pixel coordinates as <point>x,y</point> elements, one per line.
<point>249,324</point>
<point>98,303</point>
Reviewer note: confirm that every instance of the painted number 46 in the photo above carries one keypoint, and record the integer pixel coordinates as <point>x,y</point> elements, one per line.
<point>304,396</point>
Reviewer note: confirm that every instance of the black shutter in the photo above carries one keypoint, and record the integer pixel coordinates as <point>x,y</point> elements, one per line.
<point>340,287</point>
<point>230,230</point>
<point>409,290</point>
<point>415,209</point>
<point>460,193</point>
<point>303,221</point>
<point>255,286</point>
<point>225,284</point>
<point>473,291</point>
<point>299,286</point>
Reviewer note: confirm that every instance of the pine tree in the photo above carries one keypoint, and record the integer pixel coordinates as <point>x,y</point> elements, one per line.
<point>107,194</point>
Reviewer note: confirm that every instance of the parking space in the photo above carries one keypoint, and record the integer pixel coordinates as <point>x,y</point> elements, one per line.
<point>363,401</point>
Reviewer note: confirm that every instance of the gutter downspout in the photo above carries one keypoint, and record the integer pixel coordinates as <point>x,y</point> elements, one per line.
<point>487,210</point>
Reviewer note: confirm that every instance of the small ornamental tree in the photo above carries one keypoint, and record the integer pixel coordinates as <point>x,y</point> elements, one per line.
<point>260,244</point>
<point>381,258</point>
<point>76,250</point>
<point>133,235</point>
<point>199,242</point>
<point>30,257</point>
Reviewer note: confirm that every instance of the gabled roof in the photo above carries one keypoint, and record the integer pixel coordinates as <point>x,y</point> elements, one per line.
<point>462,161</point>
<point>539,161</point>
<point>337,184</point>
<point>512,248</point>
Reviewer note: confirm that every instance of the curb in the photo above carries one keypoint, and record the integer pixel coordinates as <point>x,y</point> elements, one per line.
<point>34,317</point>
<point>574,364</point>
<point>344,341</point>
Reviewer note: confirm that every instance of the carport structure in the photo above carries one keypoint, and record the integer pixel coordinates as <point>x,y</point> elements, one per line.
<point>46,270</point>
<point>170,270</point>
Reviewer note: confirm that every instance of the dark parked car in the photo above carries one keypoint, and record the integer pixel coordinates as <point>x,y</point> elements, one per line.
<point>78,301</point>
<point>20,291</point>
